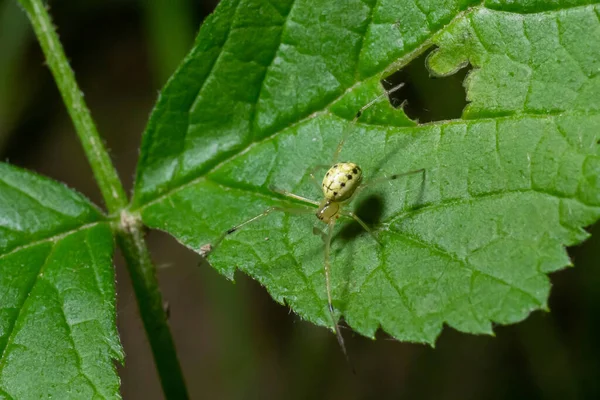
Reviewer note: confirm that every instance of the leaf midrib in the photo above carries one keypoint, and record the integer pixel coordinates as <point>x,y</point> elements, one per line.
<point>394,66</point>
<point>53,238</point>
<point>233,157</point>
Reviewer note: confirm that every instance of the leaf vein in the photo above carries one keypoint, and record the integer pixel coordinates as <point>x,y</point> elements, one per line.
<point>310,114</point>
<point>197,96</point>
<point>74,346</point>
<point>94,265</point>
<point>433,248</point>
<point>255,112</point>
<point>11,329</point>
<point>419,7</point>
<point>44,206</point>
<point>480,196</point>
<point>288,246</point>
<point>559,33</point>
<point>402,297</point>
<point>53,238</point>
<point>497,152</point>
<point>364,34</point>
<point>529,62</point>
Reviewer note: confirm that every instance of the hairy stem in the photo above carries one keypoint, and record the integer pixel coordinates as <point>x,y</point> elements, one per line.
<point>152,311</point>
<point>129,231</point>
<point>104,172</point>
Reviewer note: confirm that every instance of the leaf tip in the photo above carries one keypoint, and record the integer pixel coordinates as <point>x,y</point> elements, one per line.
<point>545,308</point>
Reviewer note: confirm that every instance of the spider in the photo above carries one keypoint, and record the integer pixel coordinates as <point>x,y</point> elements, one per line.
<point>341,184</point>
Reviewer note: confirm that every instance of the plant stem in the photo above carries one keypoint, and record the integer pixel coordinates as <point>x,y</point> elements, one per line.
<point>145,285</point>
<point>104,172</point>
<point>129,230</point>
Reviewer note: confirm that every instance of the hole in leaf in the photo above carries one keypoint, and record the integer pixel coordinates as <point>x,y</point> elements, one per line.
<point>426,98</point>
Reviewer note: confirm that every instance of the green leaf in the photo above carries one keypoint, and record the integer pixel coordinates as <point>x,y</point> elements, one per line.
<point>538,64</point>
<point>271,87</point>
<point>58,333</point>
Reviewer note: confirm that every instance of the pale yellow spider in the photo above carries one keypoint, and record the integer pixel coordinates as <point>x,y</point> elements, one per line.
<point>341,183</point>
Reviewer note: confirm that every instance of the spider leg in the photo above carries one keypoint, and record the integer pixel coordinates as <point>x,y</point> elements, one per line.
<point>338,333</point>
<point>268,211</point>
<point>312,171</point>
<point>388,178</point>
<point>362,223</point>
<point>293,196</point>
<point>359,113</point>
<point>319,232</point>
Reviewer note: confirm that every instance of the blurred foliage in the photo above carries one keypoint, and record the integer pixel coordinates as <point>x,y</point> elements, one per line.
<point>14,36</point>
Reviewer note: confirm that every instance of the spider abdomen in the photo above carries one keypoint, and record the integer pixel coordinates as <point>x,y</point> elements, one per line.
<point>341,180</point>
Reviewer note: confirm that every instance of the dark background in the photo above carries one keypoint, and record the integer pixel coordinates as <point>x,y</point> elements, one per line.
<point>233,341</point>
